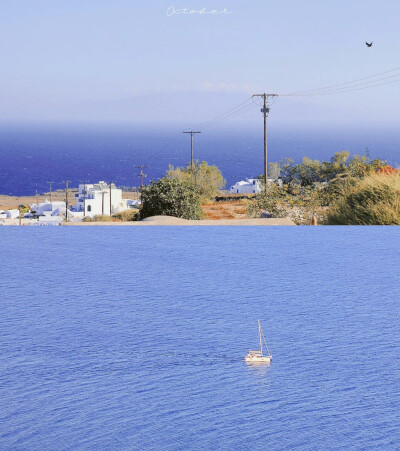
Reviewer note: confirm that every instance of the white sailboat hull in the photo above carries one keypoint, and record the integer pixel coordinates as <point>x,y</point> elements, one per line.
<point>258,359</point>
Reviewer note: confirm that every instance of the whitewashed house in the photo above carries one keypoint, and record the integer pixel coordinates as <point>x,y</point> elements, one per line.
<point>95,200</point>
<point>48,208</point>
<point>248,186</point>
<point>12,214</point>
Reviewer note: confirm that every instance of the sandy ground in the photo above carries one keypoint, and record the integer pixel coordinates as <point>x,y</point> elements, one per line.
<point>224,210</point>
<point>171,221</point>
<point>163,221</point>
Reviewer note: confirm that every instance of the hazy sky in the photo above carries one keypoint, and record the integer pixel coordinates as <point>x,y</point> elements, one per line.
<point>75,58</point>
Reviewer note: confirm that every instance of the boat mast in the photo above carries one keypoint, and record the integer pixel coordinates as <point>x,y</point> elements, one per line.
<point>266,346</point>
<point>259,333</point>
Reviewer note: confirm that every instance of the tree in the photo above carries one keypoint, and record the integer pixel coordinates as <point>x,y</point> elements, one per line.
<point>170,196</point>
<point>288,170</point>
<point>309,171</point>
<point>206,179</point>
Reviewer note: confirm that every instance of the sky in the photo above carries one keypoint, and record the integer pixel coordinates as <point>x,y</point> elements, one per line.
<point>128,60</point>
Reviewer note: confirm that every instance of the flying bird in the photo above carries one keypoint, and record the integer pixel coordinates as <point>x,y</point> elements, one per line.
<point>369,45</point>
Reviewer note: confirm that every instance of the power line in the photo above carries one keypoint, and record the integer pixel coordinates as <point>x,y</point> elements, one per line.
<point>343,85</point>
<point>229,116</point>
<point>340,91</point>
<point>222,116</point>
<point>178,138</point>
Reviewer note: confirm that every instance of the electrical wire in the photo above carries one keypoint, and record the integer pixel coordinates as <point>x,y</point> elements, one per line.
<point>232,114</point>
<point>222,116</point>
<point>338,88</point>
<point>343,90</point>
<point>178,138</point>
<point>344,85</point>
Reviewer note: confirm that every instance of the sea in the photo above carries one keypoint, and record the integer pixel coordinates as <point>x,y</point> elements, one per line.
<point>133,338</point>
<point>32,155</point>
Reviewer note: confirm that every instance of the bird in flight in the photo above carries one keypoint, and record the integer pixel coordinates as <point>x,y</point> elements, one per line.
<point>369,44</point>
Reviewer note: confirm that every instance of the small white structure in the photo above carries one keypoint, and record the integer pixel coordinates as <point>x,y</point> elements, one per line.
<point>51,219</point>
<point>249,186</point>
<point>130,203</point>
<point>95,199</point>
<point>12,214</point>
<point>48,208</point>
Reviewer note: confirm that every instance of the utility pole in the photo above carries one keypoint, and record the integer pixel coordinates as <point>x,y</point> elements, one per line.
<point>102,203</point>
<point>51,184</point>
<point>37,205</point>
<point>67,182</point>
<point>191,133</point>
<point>84,198</point>
<point>141,167</point>
<point>110,199</point>
<point>265,111</point>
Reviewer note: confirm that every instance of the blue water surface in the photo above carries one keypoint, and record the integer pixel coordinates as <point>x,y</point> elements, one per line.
<point>134,338</point>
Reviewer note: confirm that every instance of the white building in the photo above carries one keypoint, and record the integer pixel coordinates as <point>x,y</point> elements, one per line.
<point>12,214</point>
<point>95,199</point>
<point>130,203</point>
<point>48,208</point>
<point>248,186</point>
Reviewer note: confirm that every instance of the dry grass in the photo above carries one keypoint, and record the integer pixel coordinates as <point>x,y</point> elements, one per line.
<point>374,200</point>
<point>224,210</point>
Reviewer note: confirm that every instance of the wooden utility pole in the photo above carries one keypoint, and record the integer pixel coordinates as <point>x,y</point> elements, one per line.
<point>102,203</point>
<point>191,133</point>
<point>37,206</point>
<point>67,182</point>
<point>265,111</point>
<point>110,199</point>
<point>84,197</point>
<point>51,184</point>
<point>141,175</point>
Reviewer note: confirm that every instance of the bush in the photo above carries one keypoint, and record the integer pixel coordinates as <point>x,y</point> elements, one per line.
<point>374,200</point>
<point>127,215</point>
<point>270,201</point>
<point>98,218</point>
<point>206,179</point>
<point>279,202</point>
<point>170,196</point>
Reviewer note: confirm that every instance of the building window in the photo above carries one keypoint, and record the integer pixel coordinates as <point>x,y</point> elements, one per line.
<point>89,208</point>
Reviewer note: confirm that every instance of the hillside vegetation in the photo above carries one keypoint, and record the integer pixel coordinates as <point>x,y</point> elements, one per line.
<point>374,200</point>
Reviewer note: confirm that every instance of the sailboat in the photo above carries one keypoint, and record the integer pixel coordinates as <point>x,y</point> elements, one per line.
<point>258,356</point>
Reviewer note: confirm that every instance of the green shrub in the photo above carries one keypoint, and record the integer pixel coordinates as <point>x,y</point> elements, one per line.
<point>206,179</point>
<point>374,200</point>
<point>172,197</point>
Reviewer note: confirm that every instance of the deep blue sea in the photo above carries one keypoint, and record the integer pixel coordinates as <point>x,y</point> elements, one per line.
<point>133,338</point>
<point>32,155</point>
